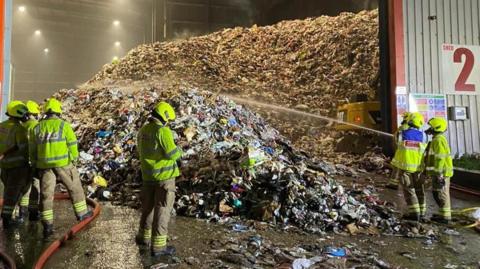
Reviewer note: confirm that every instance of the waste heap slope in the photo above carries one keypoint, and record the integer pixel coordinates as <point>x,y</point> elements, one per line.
<point>313,64</point>
<point>234,163</point>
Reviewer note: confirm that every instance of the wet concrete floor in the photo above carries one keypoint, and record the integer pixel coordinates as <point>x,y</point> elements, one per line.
<point>109,241</point>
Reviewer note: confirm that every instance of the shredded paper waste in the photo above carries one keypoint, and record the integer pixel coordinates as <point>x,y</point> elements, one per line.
<point>312,65</point>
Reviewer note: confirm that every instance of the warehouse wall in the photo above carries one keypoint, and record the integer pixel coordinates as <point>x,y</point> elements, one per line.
<point>456,22</point>
<point>80,37</point>
<point>184,18</point>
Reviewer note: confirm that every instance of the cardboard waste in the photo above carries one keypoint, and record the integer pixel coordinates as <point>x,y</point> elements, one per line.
<point>234,163</point>
<point>313,65</point>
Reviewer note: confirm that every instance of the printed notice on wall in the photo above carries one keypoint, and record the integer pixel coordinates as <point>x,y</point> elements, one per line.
<point>402,107</point>
<point>429,105</point>
<point>460,69</point>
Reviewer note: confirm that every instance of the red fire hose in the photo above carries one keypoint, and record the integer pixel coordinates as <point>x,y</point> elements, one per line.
<point>465,190</point>
<point>57,243</point>
<point>68,235</point>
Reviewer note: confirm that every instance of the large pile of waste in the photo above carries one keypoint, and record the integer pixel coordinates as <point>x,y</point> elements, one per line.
<point>313,64</point>
<point>234,163</point>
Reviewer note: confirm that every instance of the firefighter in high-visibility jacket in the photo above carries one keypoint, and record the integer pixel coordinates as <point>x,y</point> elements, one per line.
<point>31,194</point>
<point>13,159</point>
<point>409,160</point>
<point>397,138</point>
<point>53,148</point>
<point>439,167</point>
<point>159,156</point>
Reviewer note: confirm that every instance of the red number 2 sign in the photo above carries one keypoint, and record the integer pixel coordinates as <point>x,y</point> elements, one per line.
<point>461,84</point>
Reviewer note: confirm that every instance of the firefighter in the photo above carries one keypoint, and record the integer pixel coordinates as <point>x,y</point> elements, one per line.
<point>159,156</point>
<point>31,194</point>
<point>397,138</point>
<point>53,148</point>
<point>439,167</point>
<point>13,158</point>
<point>409,160</point>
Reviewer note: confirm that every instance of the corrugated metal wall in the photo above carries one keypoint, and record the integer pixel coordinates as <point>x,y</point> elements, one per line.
<point>456,22</point>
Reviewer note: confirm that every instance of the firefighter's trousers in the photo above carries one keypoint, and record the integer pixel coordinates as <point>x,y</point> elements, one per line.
<point>441,194</point>
<point>157,204</point>
<point>31,193</point>
<point>14,182</point>
<point>394,177</point>
<point>413,185</point>
<point>69,177</point>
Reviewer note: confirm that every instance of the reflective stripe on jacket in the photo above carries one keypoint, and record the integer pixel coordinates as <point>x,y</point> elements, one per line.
<point>52,144</point>
<point>158,152</point>
<point>409,154</point>
<point>438,160</point>
<point>13,133</point>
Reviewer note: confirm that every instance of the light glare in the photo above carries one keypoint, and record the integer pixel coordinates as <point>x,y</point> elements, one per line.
<point>22,8</point>
<point>117,44</point>
<point>46,50</point>
<point>38,32</point>
<point>116,22</point>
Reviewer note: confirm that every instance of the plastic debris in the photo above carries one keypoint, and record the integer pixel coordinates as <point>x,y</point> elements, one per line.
<point>336,252</point>
<point>451,232</point>
<point>237,250</point>
<point>305,263</point>
<point>476,214</point>
<point>239,228</point>
<point>223,164</point>
<point>100,181</point>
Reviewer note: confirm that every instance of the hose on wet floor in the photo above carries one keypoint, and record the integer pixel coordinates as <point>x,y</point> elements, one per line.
<point>466,212</point>
<point>53,247</point>
<point>465,190</point>
<point>47,253</point>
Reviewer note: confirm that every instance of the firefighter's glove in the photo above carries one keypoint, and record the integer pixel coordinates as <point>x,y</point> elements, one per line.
<point>441,181</point>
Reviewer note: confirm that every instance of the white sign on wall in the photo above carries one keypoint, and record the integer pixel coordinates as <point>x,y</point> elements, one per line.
<point>461,69</point>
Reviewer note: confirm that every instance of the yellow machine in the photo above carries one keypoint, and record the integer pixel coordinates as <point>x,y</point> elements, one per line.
<point>366,114</point>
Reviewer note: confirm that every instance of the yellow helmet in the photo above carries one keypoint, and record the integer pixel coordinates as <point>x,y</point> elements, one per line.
<point>16,109</point>
<point>416,120</point>
<point>439,125</point>
<point>33,107</point>
<point>406,116</point>
<point>52,105</point>
<point>165,111</point>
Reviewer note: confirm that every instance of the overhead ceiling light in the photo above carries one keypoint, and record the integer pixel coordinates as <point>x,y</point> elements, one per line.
<point>38,32</point>
<point>117,44</point>
<point>116,22</point>
<point>22,8</point>
<point>46,50</point>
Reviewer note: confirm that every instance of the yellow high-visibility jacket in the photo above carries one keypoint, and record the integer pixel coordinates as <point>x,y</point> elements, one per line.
<point>158,152</point>
<point>439,161</point>
<point>13,134</point>
<point>30,124</point>
<point>409,154</point>
<point>52,144</point>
